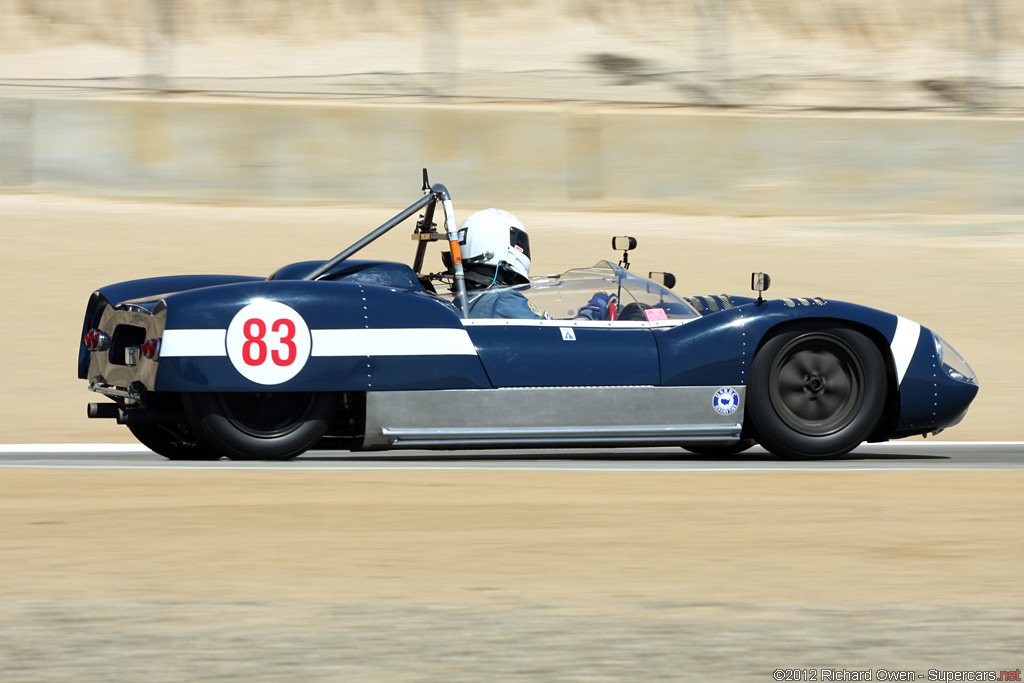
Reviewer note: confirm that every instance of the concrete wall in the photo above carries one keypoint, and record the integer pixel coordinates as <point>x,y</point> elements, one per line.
<point>538,157</point>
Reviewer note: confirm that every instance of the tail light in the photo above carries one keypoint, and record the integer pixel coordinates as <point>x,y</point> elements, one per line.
<point>150,349</point>
<point>96,340</point>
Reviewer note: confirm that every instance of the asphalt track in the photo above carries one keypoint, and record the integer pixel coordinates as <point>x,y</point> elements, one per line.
<point>918,455</point>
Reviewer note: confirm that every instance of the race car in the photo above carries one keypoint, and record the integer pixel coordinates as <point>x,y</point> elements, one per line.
<point>376,355</point>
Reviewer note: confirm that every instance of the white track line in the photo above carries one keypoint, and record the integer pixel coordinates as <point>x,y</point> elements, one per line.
<point>85,448</point>
<point>73,448</point>
<point>737,468</point>
<point>341,465</point>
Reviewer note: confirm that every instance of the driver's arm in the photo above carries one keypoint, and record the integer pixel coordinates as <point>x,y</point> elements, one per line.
<point>505,304</point>
<point>597,307</point>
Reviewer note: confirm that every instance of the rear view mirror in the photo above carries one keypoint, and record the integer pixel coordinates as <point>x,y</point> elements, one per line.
<point>623,243</point>
<point>760,282</point>
<point>666,280</point>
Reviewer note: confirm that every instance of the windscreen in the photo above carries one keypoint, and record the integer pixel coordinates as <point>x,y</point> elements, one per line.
<point>636,298</point>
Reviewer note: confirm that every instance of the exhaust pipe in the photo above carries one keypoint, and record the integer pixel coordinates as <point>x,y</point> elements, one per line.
<point>97,410</point>
<point>136,416</point>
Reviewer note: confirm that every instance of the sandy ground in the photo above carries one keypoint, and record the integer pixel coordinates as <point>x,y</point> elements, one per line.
<point>468,576</point>
<point>960,276</point>
<point>458,576</point>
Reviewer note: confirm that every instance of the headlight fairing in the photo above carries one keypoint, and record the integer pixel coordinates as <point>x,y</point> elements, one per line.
<point>952,362</point>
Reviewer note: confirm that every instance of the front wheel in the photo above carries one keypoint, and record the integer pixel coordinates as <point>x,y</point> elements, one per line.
<point>261,425</point>
<point>816,394</point>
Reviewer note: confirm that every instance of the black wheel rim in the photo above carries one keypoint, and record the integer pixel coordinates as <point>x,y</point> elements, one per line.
<point>266,415</point>
<point>816,384</point>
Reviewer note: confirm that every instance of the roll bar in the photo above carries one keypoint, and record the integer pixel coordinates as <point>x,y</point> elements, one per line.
<point>431,196</point>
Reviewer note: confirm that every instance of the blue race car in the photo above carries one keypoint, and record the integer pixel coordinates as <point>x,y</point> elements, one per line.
<point>378,355</point>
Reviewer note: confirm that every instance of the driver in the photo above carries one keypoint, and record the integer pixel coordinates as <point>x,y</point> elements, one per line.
<point>496,257</point>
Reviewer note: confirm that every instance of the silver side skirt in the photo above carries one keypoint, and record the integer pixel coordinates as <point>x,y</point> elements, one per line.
<point>555,416</point>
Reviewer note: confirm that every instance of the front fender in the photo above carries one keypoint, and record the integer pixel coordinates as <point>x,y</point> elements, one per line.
<point>717,349</point>
<point>931,400</point>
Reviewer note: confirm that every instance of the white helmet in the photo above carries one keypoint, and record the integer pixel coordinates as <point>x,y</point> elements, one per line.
<point>495,238</point>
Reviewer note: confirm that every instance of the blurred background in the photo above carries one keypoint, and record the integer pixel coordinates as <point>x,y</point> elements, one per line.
<point>735,107</point>
<point>944,55</point>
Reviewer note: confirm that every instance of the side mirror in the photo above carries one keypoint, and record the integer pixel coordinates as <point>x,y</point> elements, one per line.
<point>666,280</point>
<point>623,243</point>
<point>760,282</point>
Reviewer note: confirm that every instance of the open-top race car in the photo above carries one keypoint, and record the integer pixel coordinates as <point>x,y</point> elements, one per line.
<point>374,355</point>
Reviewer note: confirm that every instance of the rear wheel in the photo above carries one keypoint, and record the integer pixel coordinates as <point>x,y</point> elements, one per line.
<point>168,442</point>
<point>261,425</point>
<point>816,393</point>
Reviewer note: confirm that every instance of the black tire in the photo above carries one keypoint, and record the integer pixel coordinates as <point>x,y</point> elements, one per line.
<point>169,443</point>
<point>261,425</point>
<point>816,393</point>
<point>722,451</point>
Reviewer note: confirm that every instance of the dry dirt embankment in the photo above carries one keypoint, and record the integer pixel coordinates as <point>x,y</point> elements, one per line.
<point>119,23</point>
<point>788,53</point>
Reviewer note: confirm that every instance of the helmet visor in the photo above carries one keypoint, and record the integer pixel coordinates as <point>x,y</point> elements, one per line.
<point>519,240</point>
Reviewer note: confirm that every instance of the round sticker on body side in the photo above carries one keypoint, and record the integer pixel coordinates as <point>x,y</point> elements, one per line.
<point>726,401</point>
<point>268,342</point>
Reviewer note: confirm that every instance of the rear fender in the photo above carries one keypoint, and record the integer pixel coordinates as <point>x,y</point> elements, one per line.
<point>347,337</point>
<point>139,290</point>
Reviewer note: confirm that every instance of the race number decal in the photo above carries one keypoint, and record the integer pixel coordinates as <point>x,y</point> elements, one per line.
<point>268,342</point>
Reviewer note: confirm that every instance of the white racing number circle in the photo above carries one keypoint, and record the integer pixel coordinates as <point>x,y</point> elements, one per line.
<point>268,342</point>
